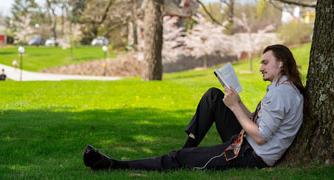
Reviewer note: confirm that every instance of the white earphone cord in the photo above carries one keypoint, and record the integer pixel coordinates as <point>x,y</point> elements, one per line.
<point>203,167</point>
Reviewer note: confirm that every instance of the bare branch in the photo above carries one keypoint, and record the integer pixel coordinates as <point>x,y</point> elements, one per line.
<point>103,18</point>
<point>227,3</point>
<point>106,12</point>
<point>297,3</point>
<point>208,13</point>
<point>275,5</point>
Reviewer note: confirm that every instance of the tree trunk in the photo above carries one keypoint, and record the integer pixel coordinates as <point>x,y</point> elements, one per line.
<point>315,141</point>
<point>231,16</point>
<point>153,40</point>
<point>53,16</point>
<point>230,5</point>
<point>132,27</point>
<point>63,20</point>
<point>54,31</point>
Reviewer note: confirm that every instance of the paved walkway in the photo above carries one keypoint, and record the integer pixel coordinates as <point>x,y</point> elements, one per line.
<point>14,74</point>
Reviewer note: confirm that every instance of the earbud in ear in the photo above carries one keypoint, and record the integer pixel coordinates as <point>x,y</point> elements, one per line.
<point>281,65</point>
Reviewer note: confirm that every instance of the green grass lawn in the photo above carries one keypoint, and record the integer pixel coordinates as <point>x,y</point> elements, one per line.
<point>39,58</point>
<point>44,126</point>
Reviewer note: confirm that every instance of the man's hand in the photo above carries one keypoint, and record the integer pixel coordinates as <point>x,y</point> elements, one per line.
<point>232,101</point>
<point>231,98</point>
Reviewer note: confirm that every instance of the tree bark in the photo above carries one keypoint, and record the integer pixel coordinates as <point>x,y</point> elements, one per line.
<point>153,40</point>
<point>132,27</point>
<point>315,141</point>
<point>231,16</point>
<point>53,17</point>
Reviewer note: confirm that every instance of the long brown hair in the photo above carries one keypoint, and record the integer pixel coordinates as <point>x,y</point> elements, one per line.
<point>283,54</point>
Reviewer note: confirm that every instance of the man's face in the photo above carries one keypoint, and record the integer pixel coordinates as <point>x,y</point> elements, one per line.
<point>270,67</point>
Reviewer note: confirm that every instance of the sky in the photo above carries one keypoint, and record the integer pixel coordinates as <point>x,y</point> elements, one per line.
<point>5,5</point>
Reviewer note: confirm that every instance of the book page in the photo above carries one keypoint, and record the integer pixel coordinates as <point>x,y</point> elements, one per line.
<point>227,75</point>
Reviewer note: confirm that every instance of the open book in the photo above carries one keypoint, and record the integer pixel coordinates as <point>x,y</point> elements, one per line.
<point>227,77</point>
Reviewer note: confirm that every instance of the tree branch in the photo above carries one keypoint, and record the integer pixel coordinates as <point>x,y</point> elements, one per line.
<point>297,3</point>
<point>105,13</point>
<point>111,28</point>
<point>275,5</point>
<point>227,3</point>
<point>208,13</point>
<point>90,20</point>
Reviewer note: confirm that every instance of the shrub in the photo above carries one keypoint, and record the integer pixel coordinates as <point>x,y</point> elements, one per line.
<point>295,32</point>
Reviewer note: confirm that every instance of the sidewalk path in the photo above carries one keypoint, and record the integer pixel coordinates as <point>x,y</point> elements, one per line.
<point>14,74</point>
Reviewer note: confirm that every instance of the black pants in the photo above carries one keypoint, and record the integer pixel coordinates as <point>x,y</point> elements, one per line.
<point>209,110</point>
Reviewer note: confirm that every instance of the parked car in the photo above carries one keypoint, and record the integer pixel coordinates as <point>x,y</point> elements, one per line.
<point>50,42</point>
<point>100,41</point>
<point>36,40</point>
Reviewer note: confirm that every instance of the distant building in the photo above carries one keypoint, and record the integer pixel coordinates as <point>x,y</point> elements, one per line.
<point>3,39</point>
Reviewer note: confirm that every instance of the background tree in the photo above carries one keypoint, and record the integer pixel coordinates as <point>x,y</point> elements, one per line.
<point>25,14</point>
<point>153,40</point>
<point>259,15</point>
<point>229,11</point>
<point>92,15</point>
<point>316,139</point>
<point>52,6</point>
<point>102,18</point>
<point>116,25</point>
<point>133,27</point>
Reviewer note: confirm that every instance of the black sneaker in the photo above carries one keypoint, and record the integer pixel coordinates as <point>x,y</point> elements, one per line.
<point>94,159</point>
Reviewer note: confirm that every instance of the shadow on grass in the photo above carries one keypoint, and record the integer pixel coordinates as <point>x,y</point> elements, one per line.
<point>8,52</point>
<point>37,138</point>
<point>46,144</point>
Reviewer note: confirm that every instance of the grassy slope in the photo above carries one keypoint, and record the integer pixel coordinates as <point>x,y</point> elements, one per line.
<point>45,125</point>
<point>39,58</point>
